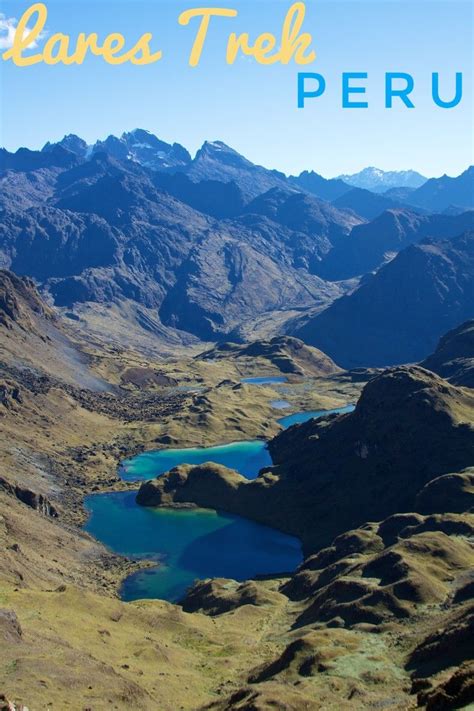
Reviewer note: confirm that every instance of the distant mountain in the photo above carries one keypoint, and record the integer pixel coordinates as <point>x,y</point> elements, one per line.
<point>365,203</point>
<point>378,181</point>
<point>214,161</point>
<point>445,193</point>
<point>398,315</point>
<point>145,148</point>
<point>453,358</point>
<point>313,183</point>
<point>214,246</point>
<point>372,244</point>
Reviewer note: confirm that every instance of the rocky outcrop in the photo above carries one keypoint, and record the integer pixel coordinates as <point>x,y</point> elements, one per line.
<point>34,500</point>
<point>10,628</point>
<point>441,665</point>
<point>457,692</point>
<point>10,395</point>
<point>409,428</point>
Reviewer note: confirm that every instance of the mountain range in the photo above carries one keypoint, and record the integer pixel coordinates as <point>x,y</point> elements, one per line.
<point>215,247</point>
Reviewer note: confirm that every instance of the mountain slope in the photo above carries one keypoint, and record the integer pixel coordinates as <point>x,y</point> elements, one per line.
<point>453,358</point>
<point>398,315</point>
<point>373,243</point>
<point>365,203</point>
<point>33,337</point>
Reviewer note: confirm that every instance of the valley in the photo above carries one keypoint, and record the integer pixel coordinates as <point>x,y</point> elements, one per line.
<point>236,434</point>
<point>226,643</point>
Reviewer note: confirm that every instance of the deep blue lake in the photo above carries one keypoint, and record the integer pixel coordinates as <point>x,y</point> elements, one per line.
<point>189,545</point>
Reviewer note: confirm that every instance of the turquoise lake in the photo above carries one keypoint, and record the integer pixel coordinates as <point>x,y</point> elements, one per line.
<point>192,544</point>
<point>189,545</point>
<point>245,457</point>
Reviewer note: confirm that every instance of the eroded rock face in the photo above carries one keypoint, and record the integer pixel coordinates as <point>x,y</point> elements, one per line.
<point>450,649</point>
<point>332,474</point>
<point>455,693</point>
<point>33,499</point>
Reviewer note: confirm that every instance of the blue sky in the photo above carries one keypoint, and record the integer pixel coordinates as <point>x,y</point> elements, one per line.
<point>251,107</point>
